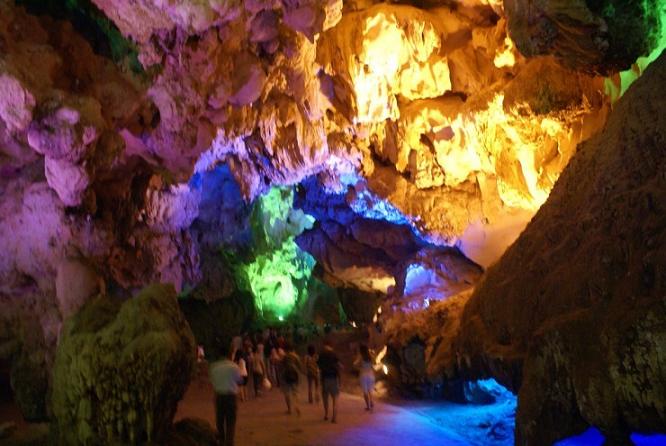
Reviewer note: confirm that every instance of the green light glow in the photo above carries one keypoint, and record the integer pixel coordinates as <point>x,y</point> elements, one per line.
<point>278,278</point>
<point>617,85</point>
<point>277,271</point>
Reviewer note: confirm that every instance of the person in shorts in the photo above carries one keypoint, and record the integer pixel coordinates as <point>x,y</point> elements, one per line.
<point>366,376</point>
<point>291,368</point>
<point>329,370</point>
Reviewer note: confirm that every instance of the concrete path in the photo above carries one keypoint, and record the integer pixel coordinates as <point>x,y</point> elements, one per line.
<point>264,422</point>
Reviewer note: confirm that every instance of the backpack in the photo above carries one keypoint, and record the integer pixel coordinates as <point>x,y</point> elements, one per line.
<point>290,370</point>
<point>311,365</point>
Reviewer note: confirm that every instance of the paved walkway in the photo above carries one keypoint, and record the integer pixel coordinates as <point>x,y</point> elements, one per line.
<point>264,422</point>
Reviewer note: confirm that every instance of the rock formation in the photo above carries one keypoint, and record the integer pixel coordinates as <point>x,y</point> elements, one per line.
<point>121,369</point>
<point>572,317</point>
<point>600,36</point>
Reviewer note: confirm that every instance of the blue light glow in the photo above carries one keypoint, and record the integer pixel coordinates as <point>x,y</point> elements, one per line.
<point>371,206</point>
<point>648,440</point>
<point>490,424</point>
<point>345,207</point>
<point>416,277</point>
<point>593,437</point>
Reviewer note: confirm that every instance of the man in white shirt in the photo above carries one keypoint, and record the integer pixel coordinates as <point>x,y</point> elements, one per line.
<point>225,377</point>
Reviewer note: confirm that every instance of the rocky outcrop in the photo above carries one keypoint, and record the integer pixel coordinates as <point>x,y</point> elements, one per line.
<point>361,241</point>
<point>281,91</point>
<point>572,317</point>
<point>422,314</point>
<point>121,369</point>
<point>351,249</point>
<point>68,114</point>
<point>600,36</point>
<point>433,328</point>
<point>433,273</point>
<point>67,110</point>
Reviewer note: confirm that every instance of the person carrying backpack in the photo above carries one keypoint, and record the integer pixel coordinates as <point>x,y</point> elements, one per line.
<point>291,369</point>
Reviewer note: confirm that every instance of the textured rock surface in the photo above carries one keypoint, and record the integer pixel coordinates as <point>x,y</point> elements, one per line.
<point>433,328</point>
<point>76,283</point>
<point>359,307</point>
<point>288,90</point>
<point>420,124</point>
<point>121,369</point>
<point>67,109</point>
<point>577,303</point>
<point>607,35</point>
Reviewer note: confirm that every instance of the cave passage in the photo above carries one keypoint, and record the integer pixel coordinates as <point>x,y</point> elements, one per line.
<point>466,198</point>
<point>263,421</point>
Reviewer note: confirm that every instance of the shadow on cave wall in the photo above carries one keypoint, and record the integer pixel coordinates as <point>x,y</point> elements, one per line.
<point>102,34</point>
<point>216,323</point>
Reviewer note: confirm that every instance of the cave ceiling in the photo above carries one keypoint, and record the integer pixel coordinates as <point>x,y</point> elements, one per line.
<point>450,120</point>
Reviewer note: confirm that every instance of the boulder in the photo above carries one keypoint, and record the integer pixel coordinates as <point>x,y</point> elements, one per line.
<point>573,315</point>
<point>121,369</point>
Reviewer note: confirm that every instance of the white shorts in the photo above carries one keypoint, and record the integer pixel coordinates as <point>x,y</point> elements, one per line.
<point>367,382</point>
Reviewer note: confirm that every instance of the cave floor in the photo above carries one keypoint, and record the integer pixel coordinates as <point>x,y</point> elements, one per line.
<point>264,421</point>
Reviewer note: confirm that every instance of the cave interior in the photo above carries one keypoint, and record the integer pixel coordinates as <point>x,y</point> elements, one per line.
<point>475,189</point>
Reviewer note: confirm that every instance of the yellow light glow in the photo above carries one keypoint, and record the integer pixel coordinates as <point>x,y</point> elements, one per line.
<point>380,356</point>
<point>492,138</point>
<point>385,368</point>
<point>396,58</point>
<point>510,144</point>
<point>506,57</point>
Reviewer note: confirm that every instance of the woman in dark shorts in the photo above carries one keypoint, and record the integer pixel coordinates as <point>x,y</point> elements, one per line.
<point>329,368</point>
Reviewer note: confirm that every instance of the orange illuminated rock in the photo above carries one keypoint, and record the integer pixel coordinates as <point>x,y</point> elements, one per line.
<point>572,316</point>
<point>382,53</point>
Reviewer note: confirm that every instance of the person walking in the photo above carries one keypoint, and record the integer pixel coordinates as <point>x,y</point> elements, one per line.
<point>258,369</point>
<point>366,375</point>
<point>239,359</point>
<point>276,356</point>
<point>312,371</point>
<point>329,367</point>
<point>225,377</point>
<point>291,369</point>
